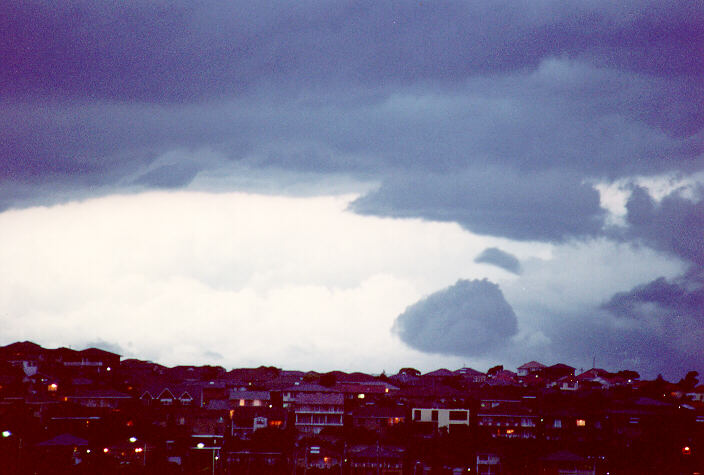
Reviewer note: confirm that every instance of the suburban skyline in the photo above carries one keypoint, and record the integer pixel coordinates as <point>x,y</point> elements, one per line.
<point>356,185</point>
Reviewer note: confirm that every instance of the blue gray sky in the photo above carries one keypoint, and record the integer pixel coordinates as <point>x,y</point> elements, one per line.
<point>356,184</point>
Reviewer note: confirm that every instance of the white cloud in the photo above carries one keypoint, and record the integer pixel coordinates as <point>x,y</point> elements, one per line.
<point>294,282</point>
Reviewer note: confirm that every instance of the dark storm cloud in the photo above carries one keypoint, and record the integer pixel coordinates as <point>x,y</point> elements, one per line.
<point>499,258</point>
<point>169,176</point>
<point>657,327</point>
<point>181,50</point>
<point>493,114</point>
<point>526,206</point>
<point>678,300</point>
<point>469,318</point>
<point>651,346</point>
<point>674,225</point>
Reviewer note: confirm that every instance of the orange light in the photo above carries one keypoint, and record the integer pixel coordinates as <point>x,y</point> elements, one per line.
<point>106,450</point>
<point>510,431</point>
<point>326,459</point>
<point>138,450</point>
<point>581,423</point>
<point>686,450</point>
<point>53,387</point>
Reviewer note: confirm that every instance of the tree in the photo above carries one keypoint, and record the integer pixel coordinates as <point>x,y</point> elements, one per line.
<point>409,372</point>
<point>628,374</point>
<point>492,371</point>
<point>690,381</point>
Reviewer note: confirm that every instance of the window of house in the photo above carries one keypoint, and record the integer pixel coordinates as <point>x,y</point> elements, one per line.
<point>434,415</point>
<point>557,424</point>
<point>416,414</point>
<point>458,415</point>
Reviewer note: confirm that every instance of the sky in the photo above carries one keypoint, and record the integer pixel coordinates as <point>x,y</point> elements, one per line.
<point>360,185</point>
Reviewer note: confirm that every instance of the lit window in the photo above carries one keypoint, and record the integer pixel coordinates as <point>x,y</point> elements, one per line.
<point>581,423</point>
<point>242,402</point>
<point>52,387</point>
<point>557,424</point>
<point>360,396</point>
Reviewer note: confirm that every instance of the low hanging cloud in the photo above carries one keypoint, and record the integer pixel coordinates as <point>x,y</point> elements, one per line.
<point>467,319</point>
<point>499,258</point>
<point>545,206</point>
<point>669,313</point>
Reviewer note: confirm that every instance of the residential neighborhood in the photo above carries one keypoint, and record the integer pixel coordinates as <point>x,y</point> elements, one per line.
<point>91,411</point>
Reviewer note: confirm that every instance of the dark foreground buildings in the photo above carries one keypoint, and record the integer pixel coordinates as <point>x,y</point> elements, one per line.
<point>67,411</point>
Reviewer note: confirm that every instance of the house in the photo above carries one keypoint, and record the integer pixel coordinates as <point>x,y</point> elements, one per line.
<point>597,377</point>
<point>292,393</point>
<point>99,398</point>
<point>178,394</point>
<point>566,462</point>
<point>376,418</point>
<point>92,360</point>
<point>567,383</point>
<point>406,376</point>
<point>488,463</point>
<point>246,420</point>
<point>530,368</point>
<point>25,355</point>
<point>556,371</point>
<point>439,373</point>
<point>697,394</point>
<point>250,398</point>
<point>317,411</point>
<point>366,390</point>
<point>376,459</point>
<point>507,419</point>
<point>503,378</point>
<point>441,418</point>
<point>471,375</point>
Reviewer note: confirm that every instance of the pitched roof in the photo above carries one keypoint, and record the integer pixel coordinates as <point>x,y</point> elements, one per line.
<point>64,440</point>
<point>531,365</point>
<point>99,393</point>
<point>438,373</point>
<point>332,398</point>
<point>22,347</point>
<point>248,395</point>
<point>469,372</point>
<point>310,388</point>
<point>98,353</point>
<point>563,456</point>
